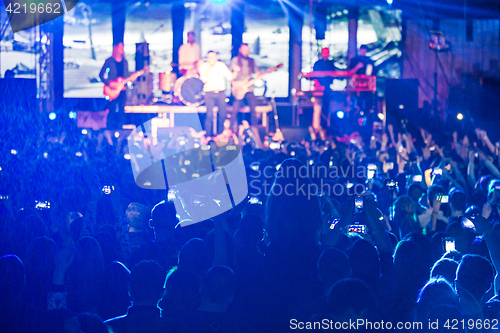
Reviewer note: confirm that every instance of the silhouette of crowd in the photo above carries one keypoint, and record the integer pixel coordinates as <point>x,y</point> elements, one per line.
<point>412,235</point>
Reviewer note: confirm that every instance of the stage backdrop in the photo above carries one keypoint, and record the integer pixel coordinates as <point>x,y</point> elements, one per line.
<point>379,28</point>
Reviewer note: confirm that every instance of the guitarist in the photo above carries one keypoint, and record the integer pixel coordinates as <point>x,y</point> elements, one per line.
<point>114,67</point>
<point>247,69</point>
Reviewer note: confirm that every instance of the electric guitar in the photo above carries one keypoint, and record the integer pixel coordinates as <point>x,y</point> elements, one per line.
<point>240,88</point>
<point>112,93</point>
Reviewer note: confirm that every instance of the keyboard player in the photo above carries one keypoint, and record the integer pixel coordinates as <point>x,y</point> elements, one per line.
<point>322,105</point>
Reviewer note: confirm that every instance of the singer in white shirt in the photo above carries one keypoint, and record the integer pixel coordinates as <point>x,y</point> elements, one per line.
<point>189,55</point>
<point>215,75</point>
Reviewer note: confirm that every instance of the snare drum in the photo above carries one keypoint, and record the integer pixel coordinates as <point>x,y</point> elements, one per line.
<point>189,90</point>
<point>166,81</point>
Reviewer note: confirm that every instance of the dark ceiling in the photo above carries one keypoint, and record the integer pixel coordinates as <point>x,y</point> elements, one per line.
<point>416,9</point>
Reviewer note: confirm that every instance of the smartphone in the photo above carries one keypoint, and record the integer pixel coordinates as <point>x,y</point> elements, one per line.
<point>468,224</point>
<point>42,205</point>
<point>254,201</point>
<point>370,173</point>
<point>200,201</point>
<point>443,198</point>
<point>449,244</point>
<point>106,189</point>
<point>391,183</point>
<point>358,205</point>
<point>417,178</point>
<point>172,194</point>
<point>437,171</point>
<point>357,228</point>
<point>275,145</point>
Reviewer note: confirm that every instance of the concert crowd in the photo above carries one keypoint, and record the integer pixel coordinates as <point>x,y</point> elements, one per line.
<point>411,236</point>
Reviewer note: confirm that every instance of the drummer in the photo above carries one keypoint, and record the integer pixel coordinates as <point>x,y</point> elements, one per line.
<point>189,55</point>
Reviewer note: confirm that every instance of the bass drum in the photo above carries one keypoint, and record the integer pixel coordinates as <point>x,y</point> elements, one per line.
<point>189,91</point>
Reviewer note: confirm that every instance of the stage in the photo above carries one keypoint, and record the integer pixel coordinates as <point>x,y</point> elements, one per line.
<point>166,115</point>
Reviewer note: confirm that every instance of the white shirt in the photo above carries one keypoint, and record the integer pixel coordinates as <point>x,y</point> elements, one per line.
<point>188,54</point>
<point>215,76</point>
<point>426,217</point>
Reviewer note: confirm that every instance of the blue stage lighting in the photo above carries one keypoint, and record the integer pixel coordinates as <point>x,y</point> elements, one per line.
<point>219,2</point>
<point>72,115</point>
<point>340,114</point>
<point>52,115</point>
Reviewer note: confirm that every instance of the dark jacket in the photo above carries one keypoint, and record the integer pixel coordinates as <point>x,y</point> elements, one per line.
<point>141,319</point>
<point>109,71</point>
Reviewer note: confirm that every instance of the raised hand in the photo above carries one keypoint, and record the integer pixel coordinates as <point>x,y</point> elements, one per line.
<point>347,216</point>
<point>486,210</point>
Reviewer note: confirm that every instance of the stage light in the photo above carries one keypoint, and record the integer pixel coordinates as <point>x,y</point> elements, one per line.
<point>219,2</point>
<point>389,2</point>
<point>381,116</point>
<point>460,116</point>
<point>340,114</point>
<point>401,106</point>
<point>117,135</point>
<point>127,156</point>
<point>84,131</point>
<point>72,115</point>
<point>187,162</point>
<point>13,152</point>
<point>52,115</point>
<point>79,154</point>
<point>45,155</point>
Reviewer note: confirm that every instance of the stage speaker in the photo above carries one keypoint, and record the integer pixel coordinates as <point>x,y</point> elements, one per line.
<point>294,134</point>
<point>401,96</point>
<point>141,55</point>
<point>142,92</point>
<point>320,22</point>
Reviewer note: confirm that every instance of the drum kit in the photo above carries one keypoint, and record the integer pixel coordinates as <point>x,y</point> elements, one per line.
<point>187,90</point>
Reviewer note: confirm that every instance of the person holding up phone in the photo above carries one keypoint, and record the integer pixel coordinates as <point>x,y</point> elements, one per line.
<point>429,219</point>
